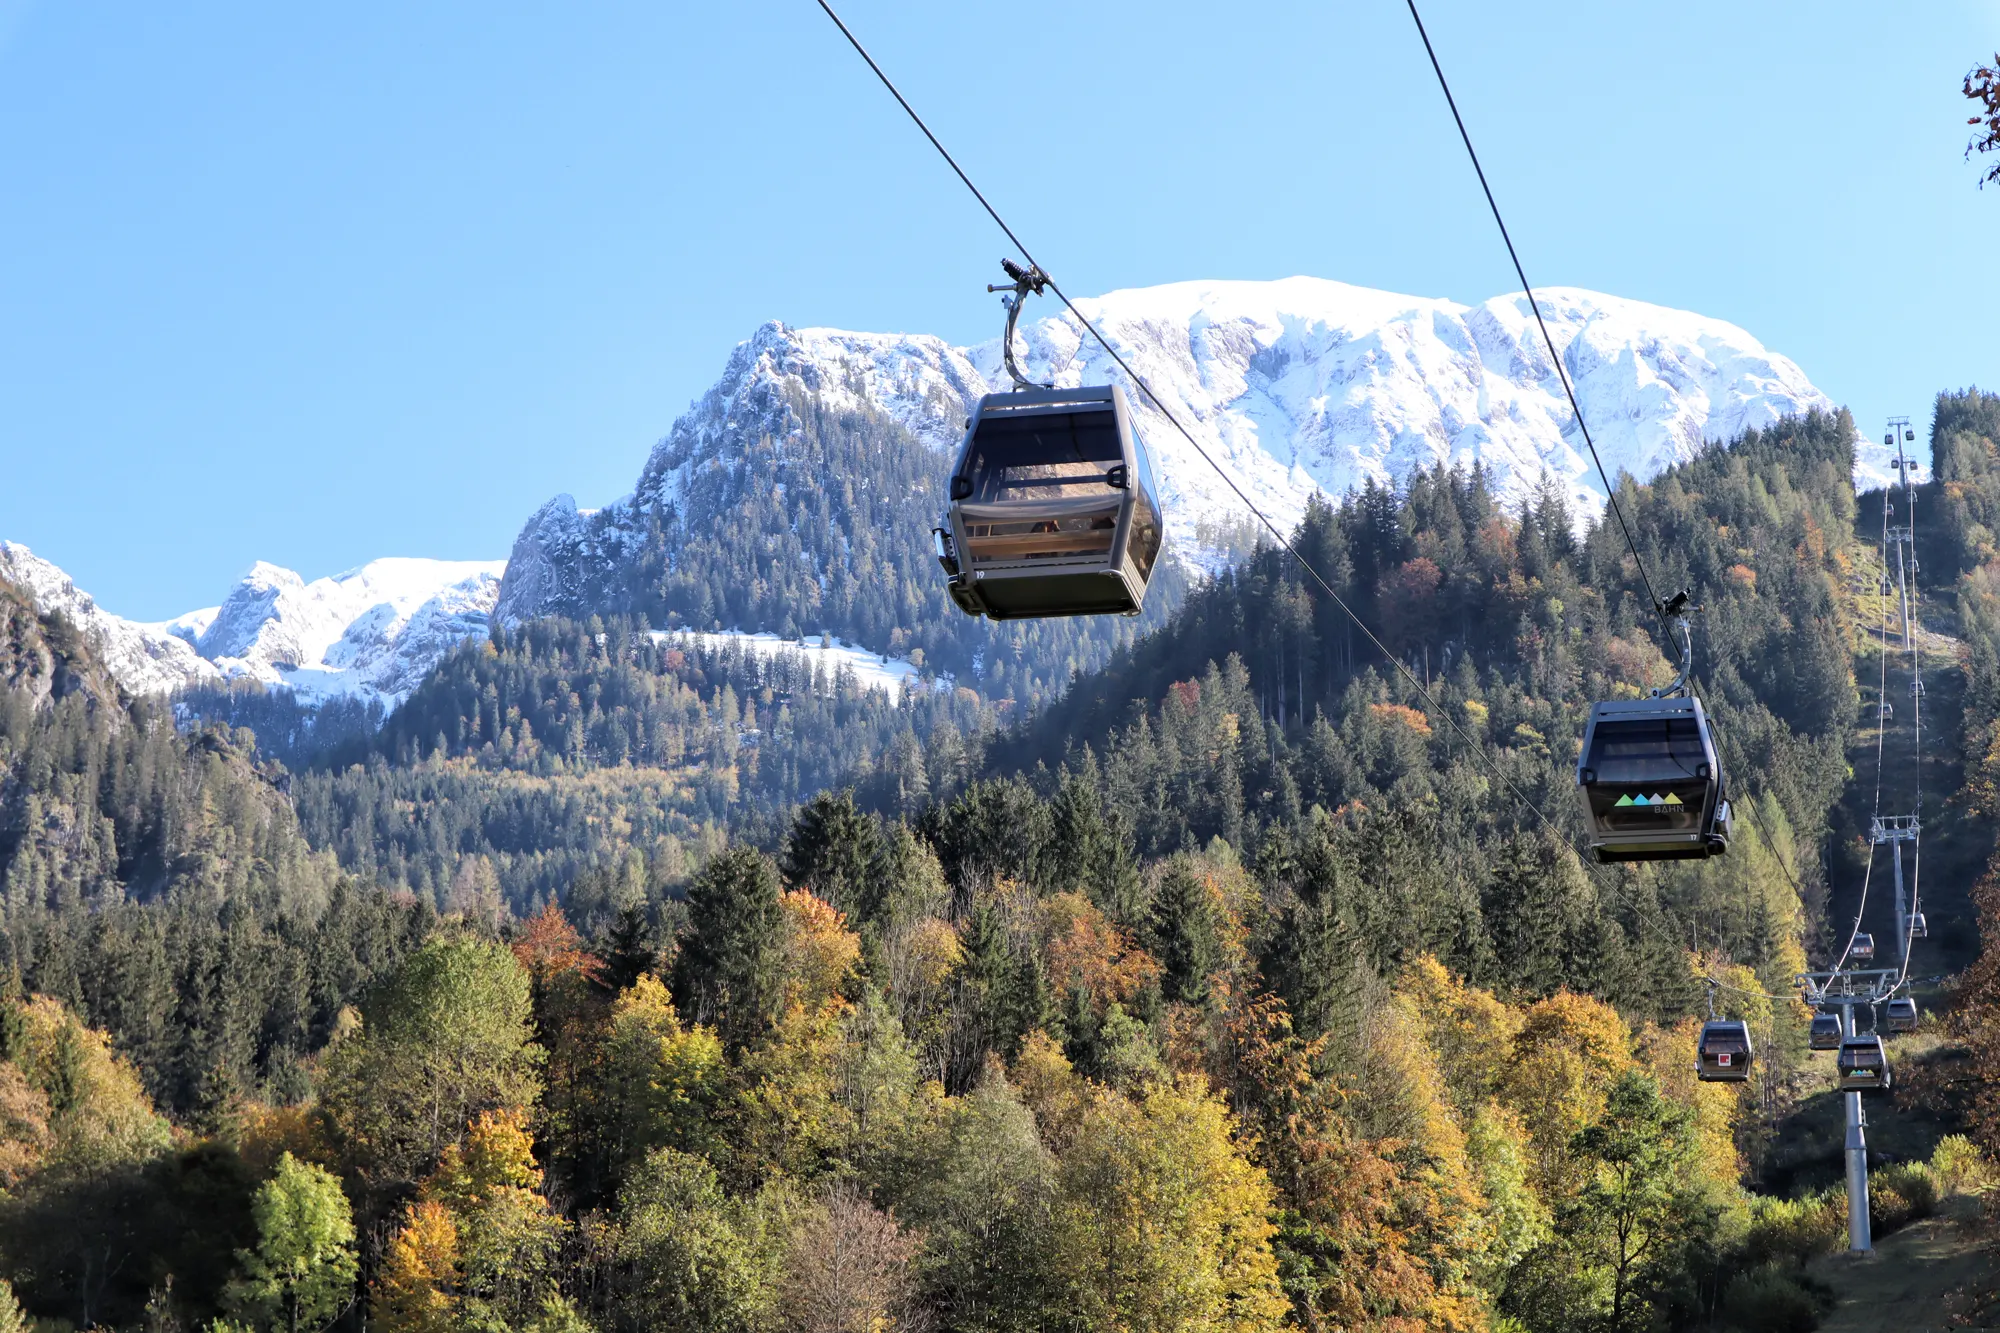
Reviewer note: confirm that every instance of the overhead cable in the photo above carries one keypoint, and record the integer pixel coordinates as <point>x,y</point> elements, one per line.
<point>1139,380</point>
<point>1562,373</point>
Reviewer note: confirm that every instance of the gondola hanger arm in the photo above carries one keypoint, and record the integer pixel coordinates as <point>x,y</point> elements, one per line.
<point>1029,281</point>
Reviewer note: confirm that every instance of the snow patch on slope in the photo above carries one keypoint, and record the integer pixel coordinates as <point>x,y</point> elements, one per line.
<point>872,671</point>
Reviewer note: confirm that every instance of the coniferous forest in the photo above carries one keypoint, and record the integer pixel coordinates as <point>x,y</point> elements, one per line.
<point>613,983</point>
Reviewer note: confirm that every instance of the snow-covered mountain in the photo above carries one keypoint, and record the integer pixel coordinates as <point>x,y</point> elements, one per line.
<point>1299,387</point>
<point>371,633</point>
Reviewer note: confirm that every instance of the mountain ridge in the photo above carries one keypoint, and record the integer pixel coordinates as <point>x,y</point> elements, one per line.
<point>813,465</point>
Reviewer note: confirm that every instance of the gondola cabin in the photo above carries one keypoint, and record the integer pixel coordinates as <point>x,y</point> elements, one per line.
<point>1054,509</point>
<point>1919,928</point>
<point>1863,948</point>
<point>1723,1053</point>
<point>1825,1032</point>
<point>1901,1016</point>
<point>1652,782</point>
<point>1862,1065</point>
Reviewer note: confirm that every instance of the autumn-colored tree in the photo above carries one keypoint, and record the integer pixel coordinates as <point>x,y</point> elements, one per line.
<point>659,1082</point>
<point>569,1001</point>
<point>1344,1241</point>
<point>1567,1053</point>
<point>781,1115</point>
<point>1164,1222</point>
<point>507,1235</point>
<point>416,1288</point>
<point>25,1136</point>
<point>849,1268</point>
<point>820,953</point>
<point>1471,1031</point>
<point>99,1115</point>
<point>1087,952</point>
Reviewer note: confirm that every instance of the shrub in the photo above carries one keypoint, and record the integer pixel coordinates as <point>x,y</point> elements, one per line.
<point>1901,1194</point>
<point>1766,1300</point>
<point>1794,1230</point>
<point>1959,1167</point>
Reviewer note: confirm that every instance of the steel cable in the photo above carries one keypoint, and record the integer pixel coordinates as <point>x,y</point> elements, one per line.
<point>1416,683</point>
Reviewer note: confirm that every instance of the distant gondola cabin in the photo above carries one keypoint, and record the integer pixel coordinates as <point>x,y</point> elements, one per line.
<point>1825,1033</point>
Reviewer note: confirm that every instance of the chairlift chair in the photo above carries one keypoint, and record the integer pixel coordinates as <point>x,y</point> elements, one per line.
<point>1054,510</point>
<point>1652,781</point>
<point>1901,1015</point>
<point>1862,950</point>
<point>1825,1032</point>
<point>1723,1054</point>
<point>1862,1065</point>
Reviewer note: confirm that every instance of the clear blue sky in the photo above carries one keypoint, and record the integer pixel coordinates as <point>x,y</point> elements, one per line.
<point>314,284</point>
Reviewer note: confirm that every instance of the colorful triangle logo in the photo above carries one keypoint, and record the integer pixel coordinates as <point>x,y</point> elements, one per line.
<point>1624,800</point>
<point>1674,800</point>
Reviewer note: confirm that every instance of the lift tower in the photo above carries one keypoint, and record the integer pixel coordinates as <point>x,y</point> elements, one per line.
<point>1848,991</point>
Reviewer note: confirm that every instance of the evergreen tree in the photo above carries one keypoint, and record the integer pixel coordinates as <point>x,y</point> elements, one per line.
<point>730,969</point>
<point>1188,942</point>
<point>629,952</point>
<point>832,851</point>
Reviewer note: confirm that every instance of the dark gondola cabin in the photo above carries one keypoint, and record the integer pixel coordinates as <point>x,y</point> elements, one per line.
<point>1054,509</point>
<point>1863,1065</point>
<point>1723,1053</point>
<point>1824,1035</point>
<point>1863,948</point>
<point>1652,782</point>
<point>1902,1014</point>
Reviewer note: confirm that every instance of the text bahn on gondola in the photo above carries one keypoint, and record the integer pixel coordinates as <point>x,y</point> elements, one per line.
<point>1054,510</point>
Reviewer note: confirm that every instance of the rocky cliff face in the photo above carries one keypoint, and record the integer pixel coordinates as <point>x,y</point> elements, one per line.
<point>1298,387</point>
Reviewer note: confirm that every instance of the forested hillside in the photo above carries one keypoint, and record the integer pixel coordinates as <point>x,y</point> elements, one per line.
<point>800,518</point>
<point>614,985</point>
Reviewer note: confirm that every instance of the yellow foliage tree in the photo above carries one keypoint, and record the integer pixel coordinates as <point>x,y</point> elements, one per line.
<point>1470,1029</point>
<point>1567,1053</point>
<point>659,1081</point>
<point>99,1115</point>
<point>503,1236</point>
<point>1667,1053</point>
<point>1164,1223</point>
<point>416,1289</point>
<point>820,952</point>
